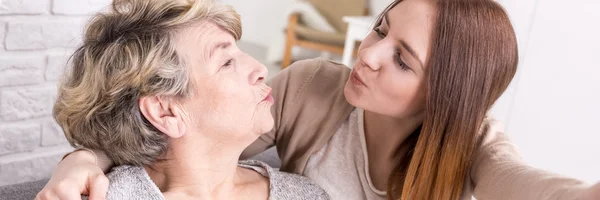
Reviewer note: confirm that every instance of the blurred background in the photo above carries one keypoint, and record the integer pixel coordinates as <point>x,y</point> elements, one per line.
<point>551,110</point>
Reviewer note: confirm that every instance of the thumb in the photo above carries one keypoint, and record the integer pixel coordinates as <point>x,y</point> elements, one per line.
<point>97,187</point>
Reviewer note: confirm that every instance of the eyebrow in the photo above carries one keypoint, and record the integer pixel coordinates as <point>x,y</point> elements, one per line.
<point>411,51</point>
<point>220,45</point>
<point>403,43</point>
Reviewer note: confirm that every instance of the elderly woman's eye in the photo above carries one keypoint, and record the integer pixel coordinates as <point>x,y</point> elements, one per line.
<point>228,63</point>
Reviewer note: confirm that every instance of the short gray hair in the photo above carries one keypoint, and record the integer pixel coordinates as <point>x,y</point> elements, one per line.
<point>128,53</point>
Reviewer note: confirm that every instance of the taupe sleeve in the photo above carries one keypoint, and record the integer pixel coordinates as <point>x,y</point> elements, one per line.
<point>498,172</point>
<point>103,161</point>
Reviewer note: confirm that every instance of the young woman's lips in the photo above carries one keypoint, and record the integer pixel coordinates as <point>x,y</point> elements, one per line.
<point>355,78</point>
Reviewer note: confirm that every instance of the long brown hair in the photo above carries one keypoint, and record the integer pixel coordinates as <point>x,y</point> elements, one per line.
<point>473,58</point>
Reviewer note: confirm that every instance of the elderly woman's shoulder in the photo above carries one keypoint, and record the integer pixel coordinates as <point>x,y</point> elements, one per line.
<point>287,185</point>
<point>294,186</point>
<point>131,182</point>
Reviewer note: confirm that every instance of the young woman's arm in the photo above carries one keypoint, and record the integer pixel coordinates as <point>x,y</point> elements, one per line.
<point>498,172</point>
<point>81,172</point>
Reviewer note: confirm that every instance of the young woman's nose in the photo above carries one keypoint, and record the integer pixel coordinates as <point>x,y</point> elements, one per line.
<point>375,55</point>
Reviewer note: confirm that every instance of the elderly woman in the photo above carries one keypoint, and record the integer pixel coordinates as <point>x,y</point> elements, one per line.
<point>162,88</point>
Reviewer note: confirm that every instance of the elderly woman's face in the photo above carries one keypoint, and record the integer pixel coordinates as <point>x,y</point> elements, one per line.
<point>230,95</point>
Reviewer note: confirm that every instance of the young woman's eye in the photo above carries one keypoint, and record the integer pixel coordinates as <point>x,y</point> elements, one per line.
<point>401,63</point>
<point>379,32</point>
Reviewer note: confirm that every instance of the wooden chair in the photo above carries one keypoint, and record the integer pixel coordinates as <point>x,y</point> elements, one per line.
<point>298,34</point>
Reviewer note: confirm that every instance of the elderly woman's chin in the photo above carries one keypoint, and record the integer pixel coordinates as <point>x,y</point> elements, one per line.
<point>264,124</point>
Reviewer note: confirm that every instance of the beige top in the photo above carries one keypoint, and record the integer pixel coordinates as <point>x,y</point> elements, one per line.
<point>341,167</point>
<point>310,107</point>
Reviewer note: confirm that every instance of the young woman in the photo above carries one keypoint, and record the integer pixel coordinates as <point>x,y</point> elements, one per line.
<point>410,121</point>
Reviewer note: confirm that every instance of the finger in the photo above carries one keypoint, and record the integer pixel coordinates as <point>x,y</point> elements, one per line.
<point>66,191</point>
<point>98,187</point>
<point>46,195</point>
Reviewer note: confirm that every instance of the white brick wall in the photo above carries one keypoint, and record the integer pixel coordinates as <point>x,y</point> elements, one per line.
<point>2,31</point>
<point>36,38</point>
<point>24,7</point>
<point>43,34</point>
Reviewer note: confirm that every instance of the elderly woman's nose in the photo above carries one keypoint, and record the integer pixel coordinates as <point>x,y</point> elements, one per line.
<point>258,71</point>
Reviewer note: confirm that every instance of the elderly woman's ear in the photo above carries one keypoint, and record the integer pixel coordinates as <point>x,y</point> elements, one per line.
<point>164,114</point>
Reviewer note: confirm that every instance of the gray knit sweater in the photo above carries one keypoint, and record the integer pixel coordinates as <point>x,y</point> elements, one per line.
<point>132,182</point>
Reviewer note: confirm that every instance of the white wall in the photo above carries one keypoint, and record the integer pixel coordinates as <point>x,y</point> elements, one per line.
<point>377,6</point>
<point>36,37</point>
<point>552,111</point>
<point>261,19</point>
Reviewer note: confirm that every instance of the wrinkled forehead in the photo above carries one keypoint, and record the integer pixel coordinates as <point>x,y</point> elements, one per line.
<point>197,42</point>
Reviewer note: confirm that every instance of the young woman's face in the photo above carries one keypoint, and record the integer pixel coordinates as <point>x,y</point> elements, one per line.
<point>388,77</point>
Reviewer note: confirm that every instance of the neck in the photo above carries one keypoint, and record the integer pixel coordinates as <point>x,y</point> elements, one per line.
<point>385,134</point>
<point>199,167</point>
